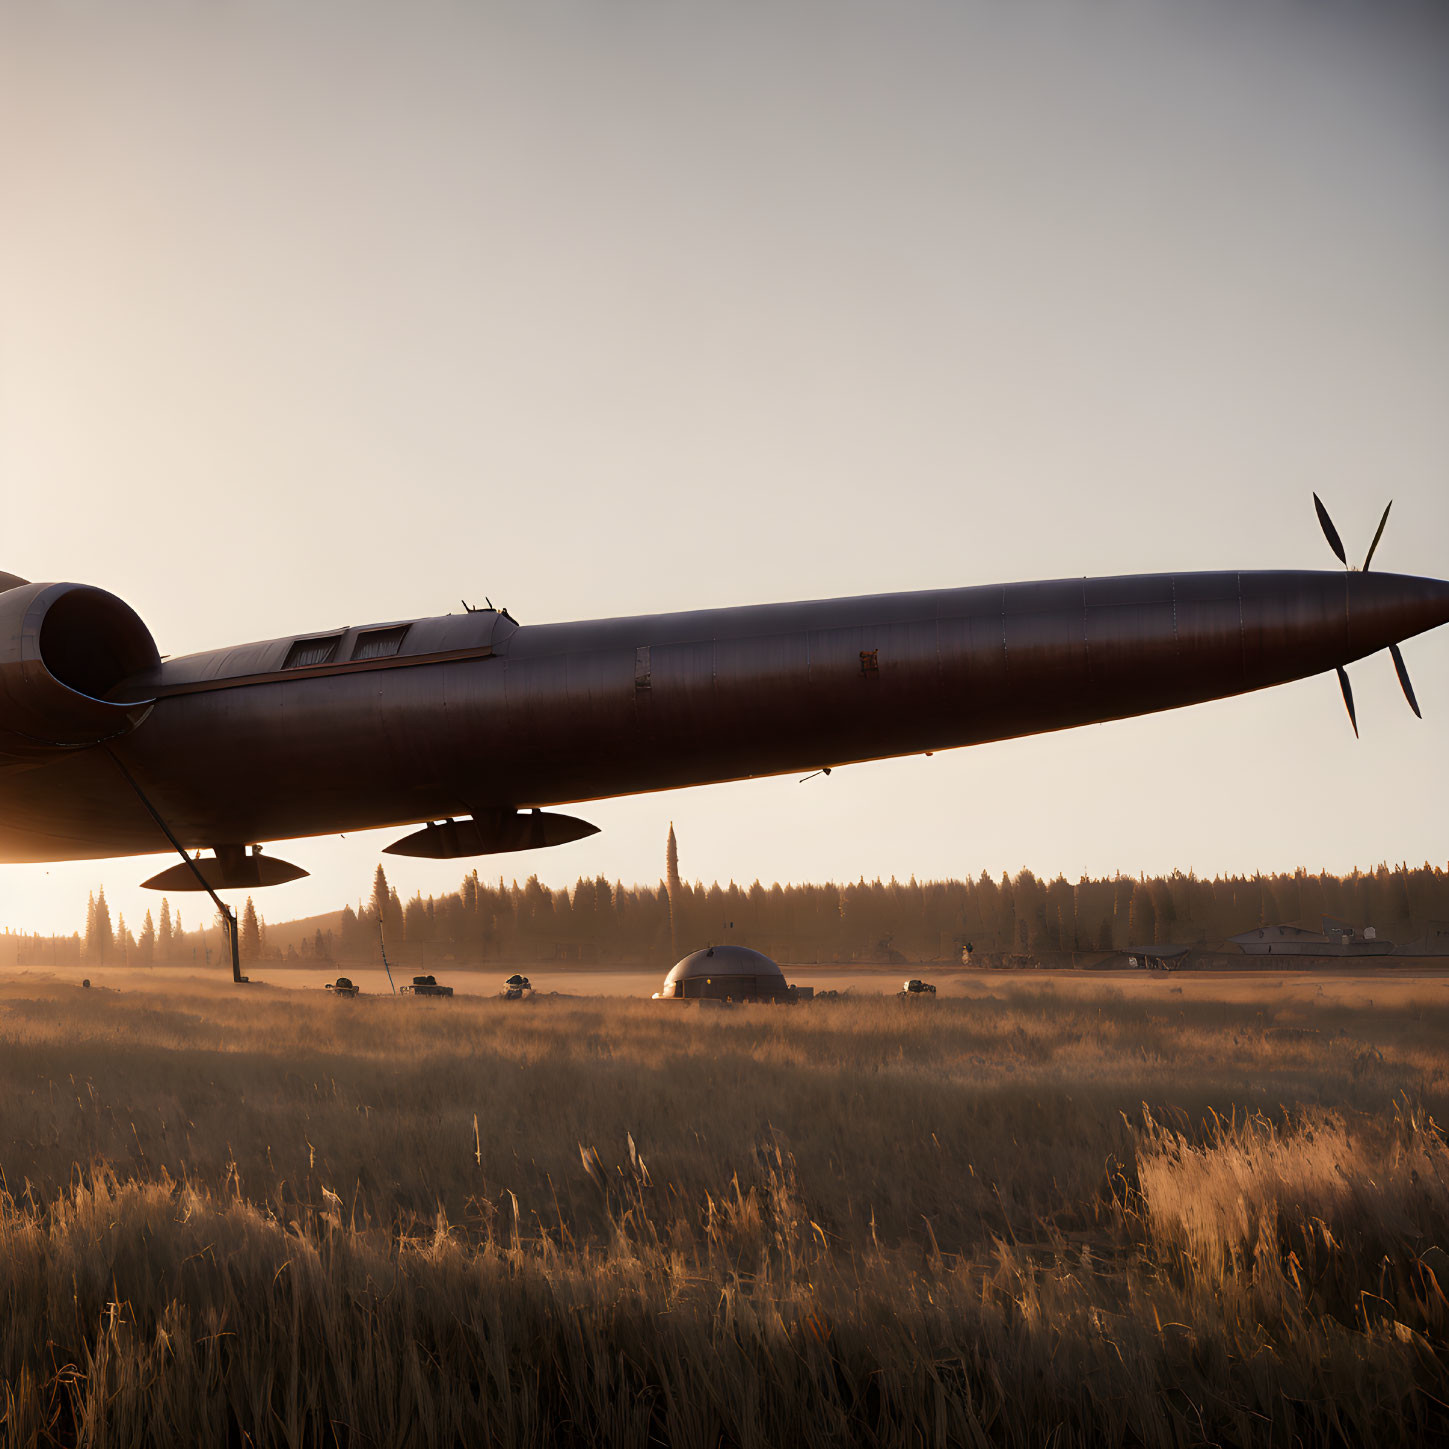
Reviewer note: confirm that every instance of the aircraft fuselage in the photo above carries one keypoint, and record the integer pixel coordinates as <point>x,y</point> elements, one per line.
<point>335,732</point>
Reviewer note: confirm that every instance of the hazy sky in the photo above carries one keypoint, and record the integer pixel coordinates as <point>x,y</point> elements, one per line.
<point>322,314</point>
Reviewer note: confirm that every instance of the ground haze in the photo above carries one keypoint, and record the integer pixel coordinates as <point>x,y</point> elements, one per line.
<point>1162,1210</point>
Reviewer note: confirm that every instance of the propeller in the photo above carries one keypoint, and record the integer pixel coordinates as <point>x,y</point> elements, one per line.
<point>1347,689</point>
<point>1329,531</point>
<point>1378,534</point>
<point>1336,544</point>
<point>1403,674</point>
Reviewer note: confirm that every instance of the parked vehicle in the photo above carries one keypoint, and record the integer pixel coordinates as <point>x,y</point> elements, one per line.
<point>426,986</point>
<point>916,987</point>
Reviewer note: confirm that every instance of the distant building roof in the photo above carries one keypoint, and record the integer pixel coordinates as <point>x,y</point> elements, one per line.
<point>1286,940</point>
<point>1277,933</point>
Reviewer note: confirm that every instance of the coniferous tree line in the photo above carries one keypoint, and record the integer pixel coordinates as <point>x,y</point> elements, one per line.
<point>160,941</point>
<point>599,922</point>
<point>602,922</point>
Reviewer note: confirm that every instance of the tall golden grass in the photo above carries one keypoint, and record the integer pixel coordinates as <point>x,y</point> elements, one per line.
<point>1016,1216</point>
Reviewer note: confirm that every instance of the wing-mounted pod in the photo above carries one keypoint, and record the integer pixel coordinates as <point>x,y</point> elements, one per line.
<point>231,868</point>
<point>492,832</point>
<point>66,651</point>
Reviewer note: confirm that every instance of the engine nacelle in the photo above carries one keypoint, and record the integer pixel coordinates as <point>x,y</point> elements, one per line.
<point>64,651</point>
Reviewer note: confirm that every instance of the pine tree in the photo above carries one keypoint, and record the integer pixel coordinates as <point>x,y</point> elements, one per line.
<point>1144,917</point>
<point>165,938</point>
<point>251,935</point>
<point>223,927</point>
<point>378,904</point>
<point>350,934</point>
<point>90,947</point>
<point>104,935</point>
<point>146,942</point>
<point>417,917</point>
<point>671,867</point>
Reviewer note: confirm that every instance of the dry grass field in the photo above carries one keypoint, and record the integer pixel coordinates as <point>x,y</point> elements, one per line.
<point>1062,1211</point>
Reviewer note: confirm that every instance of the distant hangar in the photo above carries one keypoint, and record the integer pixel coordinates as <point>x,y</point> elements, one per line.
<point>1335,939</point>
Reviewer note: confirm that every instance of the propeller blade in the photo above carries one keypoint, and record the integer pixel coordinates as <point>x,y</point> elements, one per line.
<point>1347,689</point>
<point>1369,558</point>
<point>1329,531</point>
<point>1404,679</point>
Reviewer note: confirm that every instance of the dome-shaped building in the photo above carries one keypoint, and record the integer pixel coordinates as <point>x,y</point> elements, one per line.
<point>726,973</point>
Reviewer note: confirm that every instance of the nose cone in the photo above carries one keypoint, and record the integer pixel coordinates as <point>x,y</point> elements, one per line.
<point>1386,608</point>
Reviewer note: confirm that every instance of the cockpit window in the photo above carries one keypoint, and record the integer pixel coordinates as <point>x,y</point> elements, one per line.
<point>312,651</point>
<point>379,643</point>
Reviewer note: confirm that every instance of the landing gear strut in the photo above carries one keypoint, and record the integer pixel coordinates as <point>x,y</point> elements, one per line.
<point>227,913</point>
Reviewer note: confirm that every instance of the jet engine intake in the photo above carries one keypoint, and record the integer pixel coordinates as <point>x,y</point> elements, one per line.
<point>66,652</point>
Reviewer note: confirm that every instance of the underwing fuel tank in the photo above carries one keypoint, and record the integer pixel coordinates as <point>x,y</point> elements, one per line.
<point>230,869</point>
<point>497,832</point>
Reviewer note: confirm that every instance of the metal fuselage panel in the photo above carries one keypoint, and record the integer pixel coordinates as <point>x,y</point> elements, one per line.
<point>568,712</point>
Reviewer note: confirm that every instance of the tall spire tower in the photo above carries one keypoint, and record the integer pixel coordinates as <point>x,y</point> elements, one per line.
<point>671,867</point>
